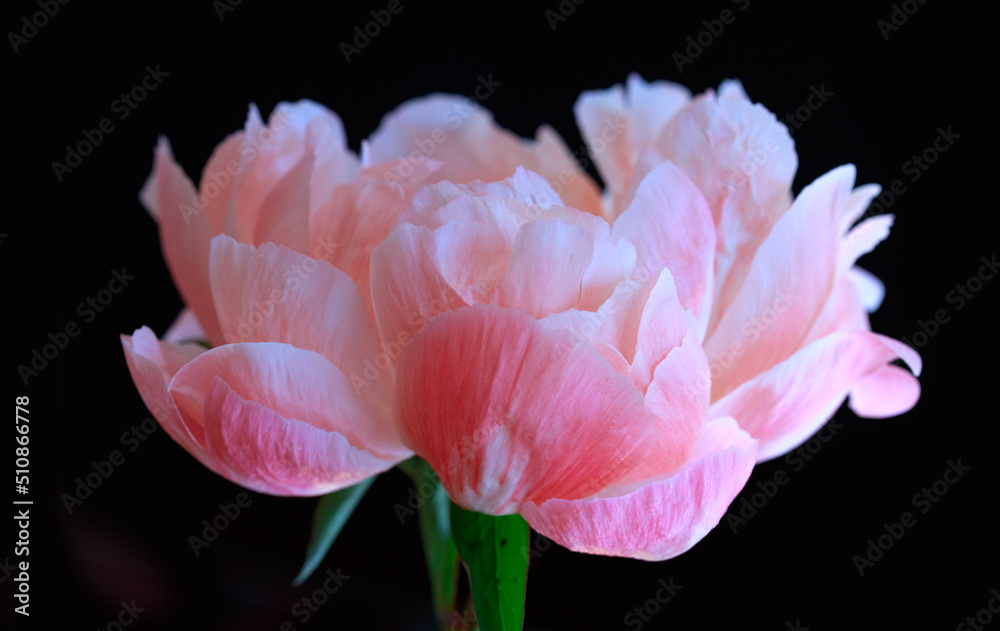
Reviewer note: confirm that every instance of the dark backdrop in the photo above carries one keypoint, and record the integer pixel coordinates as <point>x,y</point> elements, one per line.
<point>792,563</point>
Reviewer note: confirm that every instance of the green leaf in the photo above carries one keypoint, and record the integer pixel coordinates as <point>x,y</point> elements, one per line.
<point>332,513</point>
<point>493,551</point>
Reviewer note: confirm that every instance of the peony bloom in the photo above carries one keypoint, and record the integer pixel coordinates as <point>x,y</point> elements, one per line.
<point>271,257</point>
<point>785,326</point>
<point>544,373</point>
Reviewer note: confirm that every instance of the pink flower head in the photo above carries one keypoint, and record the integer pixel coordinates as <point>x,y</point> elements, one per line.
<point>785,327</point>
<point>544,372</point>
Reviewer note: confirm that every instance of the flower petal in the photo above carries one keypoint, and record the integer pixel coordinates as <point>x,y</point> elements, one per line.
<point>507,411</point>
<point>671,227</point>
<point>464,136</point>
<point>185,232</point>
<point>660,519</point>
<point>619,123</point>
<point>296,384</point>
<point>787,404</point>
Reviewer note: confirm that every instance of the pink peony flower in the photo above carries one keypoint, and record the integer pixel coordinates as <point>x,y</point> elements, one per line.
<point>785,326</point>
<point>271,257</point>
<point>543,372</point>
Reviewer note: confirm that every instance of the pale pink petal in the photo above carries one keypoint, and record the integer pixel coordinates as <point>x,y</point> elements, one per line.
<point>407,287</point>
<point>862,240</point>
<point>269,293</point>
<point>185,232</point>
<point>185,328</point>
<point>671,227</point>
<point>619,123</point>
<point>743,160</point>
<point>152,365</point>
<point>277,171</point>
<point>272,454</point>
<point>662,327</point>
<point>430,205</point>
<point>678,398</point>
<point>789,282</point>
<point>464,136</point>
<point>218,181</point>
<point>888,391</point>
<point>660,519</point>
<point>787,404</point>
<point>546,269</point>
<point>472,257</point>
<point>352,218</point>
<point>537,418</point>
<point>295,384</point>
<point>870,289</point>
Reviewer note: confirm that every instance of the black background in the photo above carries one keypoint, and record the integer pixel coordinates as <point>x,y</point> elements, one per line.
<point>791,563</point>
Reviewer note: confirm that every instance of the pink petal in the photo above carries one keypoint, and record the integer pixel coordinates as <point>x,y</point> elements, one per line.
<point>678,398</point>
<point>272,294</point>
<point>785,405</point>
<point>662,327</point>
<point>789,282</point>
<point>294,384</point>
<point>152,365</point>
<point>547,267</point>
<point>185,232</point>
<point>353,217</point>
<point>407,287</point>
<point>277,172</point>
<point>508,412</point>
<point>661,519</point>
<point>743,160</point>
<point>463,136</point>
<point>185,328</point>
<point>272,454</point>
<point>618,124</point>
<point>671,226</point>
<point>218,181</point>
<point>888,391</point>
